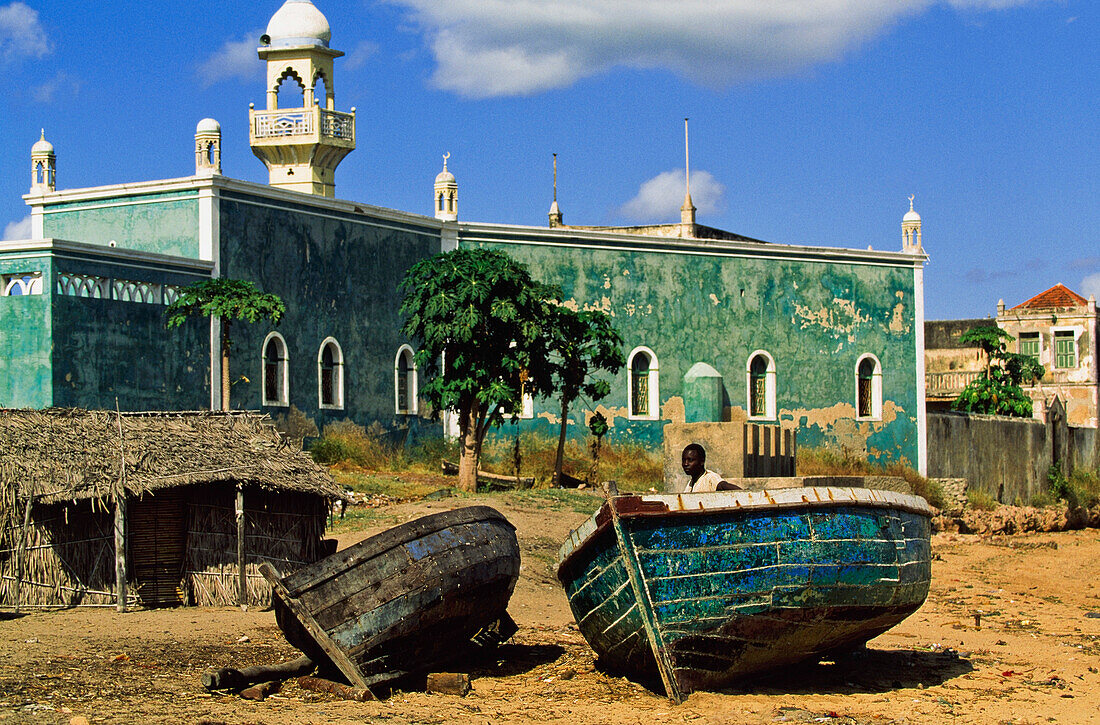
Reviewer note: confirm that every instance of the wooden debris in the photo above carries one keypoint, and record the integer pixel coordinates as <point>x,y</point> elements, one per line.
<point>319,684</point>
<point>228,678</point>
<point>261,691</point>
<point>449,683</point>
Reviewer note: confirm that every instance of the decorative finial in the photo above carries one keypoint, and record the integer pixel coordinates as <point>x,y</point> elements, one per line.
<point>687,162</point>
<point>43,136</point>
<point>445,157</point>
<point>911,197</point>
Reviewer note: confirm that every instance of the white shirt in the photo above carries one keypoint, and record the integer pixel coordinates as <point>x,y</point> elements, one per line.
<point>707,482</point>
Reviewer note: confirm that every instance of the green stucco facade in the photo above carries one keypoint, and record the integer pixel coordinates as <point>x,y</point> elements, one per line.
<point>815,315</point>
<point>337,267</point>
<point>161,223</point>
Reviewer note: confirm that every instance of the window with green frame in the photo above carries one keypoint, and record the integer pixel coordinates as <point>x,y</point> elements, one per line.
<point>1029,344</point>
<point>1065,349</point>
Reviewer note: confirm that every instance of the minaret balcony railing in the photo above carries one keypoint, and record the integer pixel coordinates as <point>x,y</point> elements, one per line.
<point>293,123</point>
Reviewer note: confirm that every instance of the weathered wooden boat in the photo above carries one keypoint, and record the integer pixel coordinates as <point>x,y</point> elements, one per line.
<point>704,589</point>
<point>404,600</point>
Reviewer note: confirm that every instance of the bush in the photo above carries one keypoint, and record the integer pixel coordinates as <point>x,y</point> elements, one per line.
<point>1082,488</point>
<point>980,500</point>
<point>346,442</point>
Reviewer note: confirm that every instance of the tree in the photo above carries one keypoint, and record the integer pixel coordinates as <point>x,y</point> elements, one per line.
<point>998,391</point>
<point>227,300</point>
<point>477,316</point>
<point>581,344</point>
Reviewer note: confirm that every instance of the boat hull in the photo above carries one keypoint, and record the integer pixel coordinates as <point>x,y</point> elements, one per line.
<point>705,589</point>
<point>404,600</point>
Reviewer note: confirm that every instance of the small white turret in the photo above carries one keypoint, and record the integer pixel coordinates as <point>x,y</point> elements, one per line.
<point>555,210</point>
<point>208,148</point>
<point>910,231</point>
<point>43,166</point>
<point>446,194</point>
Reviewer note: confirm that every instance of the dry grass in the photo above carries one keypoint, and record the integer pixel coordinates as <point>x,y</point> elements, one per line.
<point>833,462</point>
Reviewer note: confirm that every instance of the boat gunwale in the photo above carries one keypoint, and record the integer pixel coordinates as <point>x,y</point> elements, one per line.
<point>647,505</point>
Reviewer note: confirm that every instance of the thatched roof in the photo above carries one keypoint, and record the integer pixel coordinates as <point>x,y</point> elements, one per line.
<point>65,454</point>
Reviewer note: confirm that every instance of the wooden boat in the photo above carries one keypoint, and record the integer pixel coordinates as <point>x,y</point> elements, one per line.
<point>703,589</point>
<point>404,600</point>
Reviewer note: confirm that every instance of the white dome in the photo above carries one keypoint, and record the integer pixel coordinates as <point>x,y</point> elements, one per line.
<point>298,22</point>
<point>42,146</point>
<point>911,216</point>
<point>208,125</point>
<point>445,177</point>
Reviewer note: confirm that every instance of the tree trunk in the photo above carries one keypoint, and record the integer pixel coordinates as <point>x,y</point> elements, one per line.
<point>559,458</point>
<point>470,450</point>
<point>225,365</point>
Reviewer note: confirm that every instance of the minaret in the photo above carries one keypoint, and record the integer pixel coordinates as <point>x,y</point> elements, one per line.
<point>910,231</point>
<point>446,194</point>
<point>687,211</point>
<point>555,211</point>
<point>208,148</point>
<point>301,147</point>
<point>43,166</point>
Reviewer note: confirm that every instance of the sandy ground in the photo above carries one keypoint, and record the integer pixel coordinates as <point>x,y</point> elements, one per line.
<point>1034,659</point>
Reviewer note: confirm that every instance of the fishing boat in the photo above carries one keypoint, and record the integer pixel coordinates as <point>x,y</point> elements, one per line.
<point>405,600</point>
<point>704,589</point>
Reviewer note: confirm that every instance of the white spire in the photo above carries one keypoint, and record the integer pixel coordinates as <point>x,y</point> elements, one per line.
<point>555,211</point>
<point>687,211</point>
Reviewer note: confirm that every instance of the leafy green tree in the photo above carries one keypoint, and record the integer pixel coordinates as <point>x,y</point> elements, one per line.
<point>477,316</point>
<point>998,391</point>
<point>227,300</point>
<point>581,345</point>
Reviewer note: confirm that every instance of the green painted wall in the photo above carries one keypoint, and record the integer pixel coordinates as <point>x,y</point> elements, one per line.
<point>816,318</point>
<point>338,275</point>
<point>161,223</point>
<point>26,338</point>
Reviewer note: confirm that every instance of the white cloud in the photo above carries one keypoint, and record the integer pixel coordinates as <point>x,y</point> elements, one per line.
<point>21,35</point>
<point>487,48</point>
<point>18,230</point>
<point>661,197</point>
<point>60,83</point>
<point>1091,285</point>
<point>235,59</point>
<point>358,57</point>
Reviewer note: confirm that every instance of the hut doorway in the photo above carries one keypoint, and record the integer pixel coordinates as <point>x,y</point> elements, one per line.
<point>157,540</point>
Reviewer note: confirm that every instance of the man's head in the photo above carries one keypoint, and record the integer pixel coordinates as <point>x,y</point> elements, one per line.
<point>694,460</point>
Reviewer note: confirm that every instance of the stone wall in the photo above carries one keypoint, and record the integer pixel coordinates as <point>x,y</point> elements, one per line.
<point>1007,458</point>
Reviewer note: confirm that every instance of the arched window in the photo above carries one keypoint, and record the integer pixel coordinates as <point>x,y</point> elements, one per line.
<point>869,388</point>
<point>441,202</point>
<point>330,375</point>
<point>643,394</point>
<point>290,90</point>
<point>276,388</point>
<point>760,373</point>
<point>404,382</point>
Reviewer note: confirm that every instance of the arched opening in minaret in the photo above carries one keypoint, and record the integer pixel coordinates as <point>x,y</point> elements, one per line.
<point>320,91</point>
<point>290,91</point>
<point>39,173</point>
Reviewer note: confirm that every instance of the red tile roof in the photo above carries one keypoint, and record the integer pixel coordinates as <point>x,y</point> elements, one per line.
<point>1057,296</point>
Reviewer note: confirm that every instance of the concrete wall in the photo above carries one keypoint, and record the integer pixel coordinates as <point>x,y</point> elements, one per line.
<point>1007,458</point>
<point>26,334</point>
<point>734,450</point>
<point>1083,449</point>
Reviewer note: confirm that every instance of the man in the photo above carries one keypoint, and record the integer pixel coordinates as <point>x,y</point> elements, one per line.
<point>693,460</point>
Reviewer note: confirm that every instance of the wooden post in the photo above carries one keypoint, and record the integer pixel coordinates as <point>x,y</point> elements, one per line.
<point>22,554</point>
<point>242,571</point>
<point>120,551</point>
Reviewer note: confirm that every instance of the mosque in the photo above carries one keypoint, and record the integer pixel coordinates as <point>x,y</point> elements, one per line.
<point>716,326</point>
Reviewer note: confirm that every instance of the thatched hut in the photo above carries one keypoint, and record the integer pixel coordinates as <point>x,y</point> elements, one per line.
<point>153,509</point>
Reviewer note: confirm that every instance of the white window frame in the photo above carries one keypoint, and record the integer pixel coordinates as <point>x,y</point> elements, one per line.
<point>337,376</point>
<point>284,369</point>
<point>876,388</point>
<point>769,386</point>
<point>414,392</point>
<point>654,385</point>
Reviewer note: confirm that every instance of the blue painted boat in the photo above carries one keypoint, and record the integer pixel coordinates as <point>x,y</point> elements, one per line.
<point>704,589</point>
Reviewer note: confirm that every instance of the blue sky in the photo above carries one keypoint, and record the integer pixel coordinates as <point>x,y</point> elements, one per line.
<point>811,120</point>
